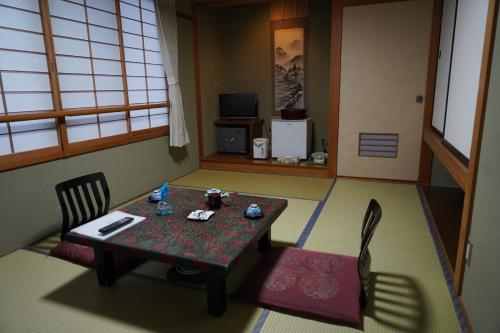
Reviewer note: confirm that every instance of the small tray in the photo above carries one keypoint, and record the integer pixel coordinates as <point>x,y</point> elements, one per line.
<point>200,215</point>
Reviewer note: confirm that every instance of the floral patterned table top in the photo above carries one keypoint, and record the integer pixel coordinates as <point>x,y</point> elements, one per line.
<point>215,244</point>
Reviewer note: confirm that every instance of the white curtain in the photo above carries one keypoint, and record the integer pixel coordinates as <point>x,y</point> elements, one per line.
<point>166,20</point>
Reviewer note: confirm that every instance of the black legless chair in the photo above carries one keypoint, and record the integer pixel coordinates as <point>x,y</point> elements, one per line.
<point>86,208</point>
<point>82,200</point>
<point>370,222</point>
<point>316,284</point>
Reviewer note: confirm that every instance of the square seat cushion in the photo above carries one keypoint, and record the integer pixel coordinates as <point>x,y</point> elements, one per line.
<point>84,256</point>
<point>308,283</point>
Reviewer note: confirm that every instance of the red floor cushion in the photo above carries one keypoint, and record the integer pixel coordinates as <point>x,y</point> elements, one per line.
<point>84,255</point>
<point>308,283</point>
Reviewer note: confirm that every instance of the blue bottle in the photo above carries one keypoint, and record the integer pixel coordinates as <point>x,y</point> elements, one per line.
<point>164,207</point>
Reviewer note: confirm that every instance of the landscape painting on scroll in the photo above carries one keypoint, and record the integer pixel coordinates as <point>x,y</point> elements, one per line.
<point>288,68</point>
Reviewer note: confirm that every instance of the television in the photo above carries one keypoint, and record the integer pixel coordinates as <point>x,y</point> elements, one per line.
<point>238,106</point>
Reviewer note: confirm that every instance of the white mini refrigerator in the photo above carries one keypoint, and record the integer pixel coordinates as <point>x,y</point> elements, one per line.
<point>291,138</point>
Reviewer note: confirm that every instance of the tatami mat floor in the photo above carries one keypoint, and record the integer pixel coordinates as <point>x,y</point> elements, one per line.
<point>44,294</point>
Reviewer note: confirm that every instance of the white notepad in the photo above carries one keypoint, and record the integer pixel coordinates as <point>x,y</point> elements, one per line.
<point>90,229</point>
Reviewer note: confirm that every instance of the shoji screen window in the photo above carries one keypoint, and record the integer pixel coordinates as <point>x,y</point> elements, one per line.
<point>87,49</point>
<point>24,79</point>
<point>145,75</point>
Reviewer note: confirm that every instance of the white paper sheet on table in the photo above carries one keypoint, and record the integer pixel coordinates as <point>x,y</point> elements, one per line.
<point>90,229</point>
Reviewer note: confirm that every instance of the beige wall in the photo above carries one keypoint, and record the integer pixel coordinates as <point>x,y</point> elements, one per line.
<point>385,50</point>
<point>28,203</point>
<point>318,73</point>
<point>210,50</point>
<point>235,56</point>
<point>246,53</point>
<point>481,291</point>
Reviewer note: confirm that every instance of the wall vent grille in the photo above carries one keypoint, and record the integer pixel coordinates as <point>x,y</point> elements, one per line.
<point>378,145</point>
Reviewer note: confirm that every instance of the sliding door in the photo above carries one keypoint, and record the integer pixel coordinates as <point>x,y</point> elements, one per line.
<point>385,50</point>
<point>465,73</point>
<point>444,64</point>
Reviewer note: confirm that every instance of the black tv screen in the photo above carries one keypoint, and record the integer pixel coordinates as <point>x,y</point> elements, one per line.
<point>243,105</point>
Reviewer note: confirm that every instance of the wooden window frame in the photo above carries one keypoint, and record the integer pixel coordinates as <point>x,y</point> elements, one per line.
<point>65,148</point>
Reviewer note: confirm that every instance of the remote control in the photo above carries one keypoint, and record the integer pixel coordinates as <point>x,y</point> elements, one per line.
<point>115,225</point>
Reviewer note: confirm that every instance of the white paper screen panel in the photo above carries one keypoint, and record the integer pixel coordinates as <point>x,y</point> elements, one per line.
<point>149,30</point>
<point>465,73</point>
<point>148,4</point>
<point>23,4</point>
<point>139,123</point>
<point>110,98</point>
<point>75,82</point>
<point>21,40</point>
<point>132,2</point>
<point>159,120</point>
<point>82,132</point>
<point>151,44</point>
<point>21,61</point>
<point>66,9</point>
<point>30,82</point>
<point>81,128</point>
<point>147,15</point>
<point>107,5</point>
<point>77,100</point>
<point>109,67</point>
<point>65,46</point>
<point>62,27</point>
<point>444,62</point>
<point>104,51</point>
<point>134,69</point>
<point>157,83</point>
<point>130,40</point>
<point>155,71</point>
<point>138,97</point>
<point>134,55</point>
<point>33,134</point>
<point>144,65</point>
<point>97,55</point>
<point>19,19</point>
<point>108,83</point>
<point>131,26</point>
<point>101,18</point>
<point>104,35</point>
<point>5,148</point>
<point>113,124</point>
<point>25,79</point>
<point>26,102</point>
<point>131,12</point>
<point>153,58</point>
<point>136,83</point>
<point>73,65</point>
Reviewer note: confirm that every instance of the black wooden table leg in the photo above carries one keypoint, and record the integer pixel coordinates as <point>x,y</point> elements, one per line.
<point>265,241</point>
<point>105,267</point>
<point>216,294</point>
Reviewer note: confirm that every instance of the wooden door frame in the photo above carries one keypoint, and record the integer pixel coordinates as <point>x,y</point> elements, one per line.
<point>337,7</point>
<point>432,144</point>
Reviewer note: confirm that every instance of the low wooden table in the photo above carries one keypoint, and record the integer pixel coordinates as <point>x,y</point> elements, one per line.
<point>214,246</point>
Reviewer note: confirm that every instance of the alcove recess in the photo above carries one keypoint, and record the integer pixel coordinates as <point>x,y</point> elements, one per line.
<point>222,31</point>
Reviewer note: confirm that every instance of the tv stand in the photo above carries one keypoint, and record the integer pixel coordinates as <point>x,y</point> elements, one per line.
<point>253,126</point>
